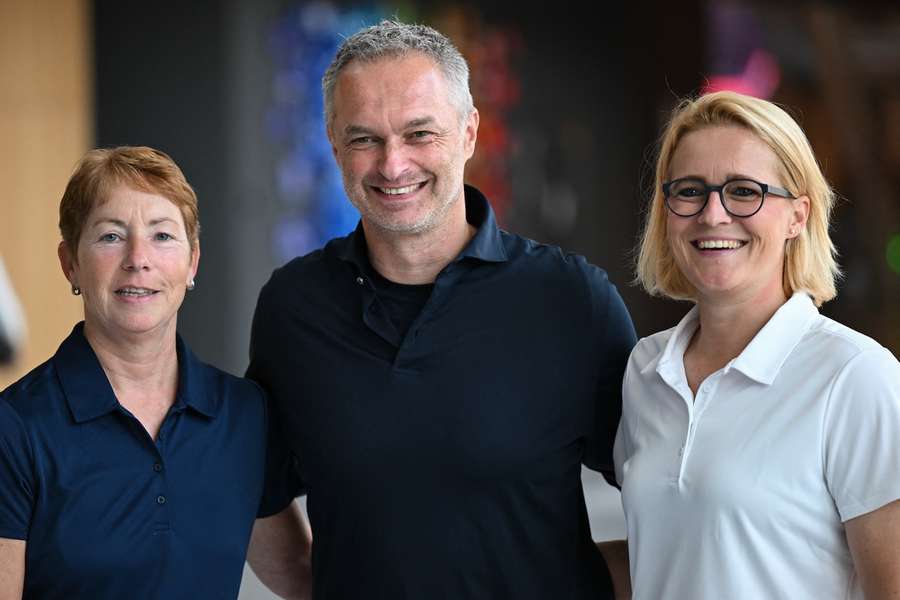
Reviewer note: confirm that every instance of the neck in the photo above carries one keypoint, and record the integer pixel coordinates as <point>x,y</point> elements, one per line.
<point>137,363</point>
<point>728,325</point>
<point>418,258</point>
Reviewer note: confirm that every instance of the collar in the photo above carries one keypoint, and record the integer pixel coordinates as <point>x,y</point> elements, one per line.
<point>90,395</point>
<point>486,245</point>
<point>670,364</point>
<point>763,357</point>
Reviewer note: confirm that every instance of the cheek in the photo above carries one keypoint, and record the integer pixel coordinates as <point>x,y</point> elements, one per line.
<point>353,164</point>
<point>675,239</point>
<point>96,266</point>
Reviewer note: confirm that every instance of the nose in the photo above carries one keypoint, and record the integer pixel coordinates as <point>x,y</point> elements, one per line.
<point>137,256</point>
<point>714,212</point>
<point>393,163</point>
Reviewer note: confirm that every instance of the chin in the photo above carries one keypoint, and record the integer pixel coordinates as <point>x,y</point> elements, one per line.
<point>416,224</point>
<point>143,324</point>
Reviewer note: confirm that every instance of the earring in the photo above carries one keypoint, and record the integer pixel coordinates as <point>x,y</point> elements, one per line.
<point>76,291</point>
<point>190,285</point>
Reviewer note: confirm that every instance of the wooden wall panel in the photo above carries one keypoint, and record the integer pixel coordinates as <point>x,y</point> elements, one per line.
<point>45,127</point>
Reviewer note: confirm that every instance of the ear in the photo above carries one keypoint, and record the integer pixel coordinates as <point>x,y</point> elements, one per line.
<point>68,262</point>
<point>470,133</point>
<point>330,133</point>
<point>195,262</point>
<point>799,216</point>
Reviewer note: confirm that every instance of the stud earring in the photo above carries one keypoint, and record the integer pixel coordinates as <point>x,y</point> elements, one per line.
<point>76,291</point>
<point>191,285</point>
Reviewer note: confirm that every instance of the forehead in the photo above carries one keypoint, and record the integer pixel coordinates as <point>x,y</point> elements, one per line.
<point>723,150</point>
<point>410,85</point>
<point>123,201</point>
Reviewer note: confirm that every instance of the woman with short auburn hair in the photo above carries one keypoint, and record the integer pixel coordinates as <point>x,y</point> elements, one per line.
<point>128,468</point>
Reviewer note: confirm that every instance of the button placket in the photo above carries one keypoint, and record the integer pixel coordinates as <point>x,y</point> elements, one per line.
<point>162,520</point>
<point>685,450</point>
<point>705,393</point>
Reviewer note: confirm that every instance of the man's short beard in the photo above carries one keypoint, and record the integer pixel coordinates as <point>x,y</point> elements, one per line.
<point>428,223</point>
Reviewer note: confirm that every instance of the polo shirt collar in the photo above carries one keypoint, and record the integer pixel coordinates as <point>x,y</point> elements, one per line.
<point>486,245</point>
<point>763,357</point>
<point>670,364</point>
<point>90,395</point>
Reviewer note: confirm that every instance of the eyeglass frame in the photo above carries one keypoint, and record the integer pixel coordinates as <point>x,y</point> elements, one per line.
<point>709,189</point>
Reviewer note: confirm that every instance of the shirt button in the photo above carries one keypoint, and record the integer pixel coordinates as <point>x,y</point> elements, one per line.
<point>360,280</point>
<point>681,451</point>
<point>157,467</point>
<point>160,499</point>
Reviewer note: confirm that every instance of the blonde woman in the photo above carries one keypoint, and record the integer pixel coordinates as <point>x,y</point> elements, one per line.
<point>759,449</point>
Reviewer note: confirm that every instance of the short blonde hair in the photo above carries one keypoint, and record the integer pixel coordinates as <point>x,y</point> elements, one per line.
<point>810,263</point>
<point>139,167</point>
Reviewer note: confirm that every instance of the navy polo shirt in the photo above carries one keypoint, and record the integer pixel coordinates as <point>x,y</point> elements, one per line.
<point>445,463</point>
<point>107,512</point>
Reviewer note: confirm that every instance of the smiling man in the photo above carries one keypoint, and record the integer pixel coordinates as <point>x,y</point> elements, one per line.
<point>436,382</point>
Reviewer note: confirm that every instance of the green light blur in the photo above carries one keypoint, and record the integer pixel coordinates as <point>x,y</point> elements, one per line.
<point>893,253</point>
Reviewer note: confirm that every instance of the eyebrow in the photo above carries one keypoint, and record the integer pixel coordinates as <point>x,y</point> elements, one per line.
<point>728,177</point>
<point>420,122</point>
<point>351,130</point>
<point>124,225</point>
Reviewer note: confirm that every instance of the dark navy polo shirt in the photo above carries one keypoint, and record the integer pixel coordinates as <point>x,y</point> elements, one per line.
<point>107,512</point>
<point>445,463</point>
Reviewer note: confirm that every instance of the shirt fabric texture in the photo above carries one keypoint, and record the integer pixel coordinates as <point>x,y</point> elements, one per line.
<point>741,492</point>
<point>107,512</point>
<point>446,463</point>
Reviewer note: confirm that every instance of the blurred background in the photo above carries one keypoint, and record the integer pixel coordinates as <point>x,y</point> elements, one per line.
<point>571,101</point>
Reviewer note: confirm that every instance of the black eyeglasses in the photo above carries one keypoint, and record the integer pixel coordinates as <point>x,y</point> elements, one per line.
<point>742,198</point>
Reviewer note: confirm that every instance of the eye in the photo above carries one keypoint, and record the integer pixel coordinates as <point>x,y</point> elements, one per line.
<point>110,237</point>
<point>421,136</point>
<point>364,140</point>
<point>743,192</point>
<point>690,191</point>
<point>162,236</point>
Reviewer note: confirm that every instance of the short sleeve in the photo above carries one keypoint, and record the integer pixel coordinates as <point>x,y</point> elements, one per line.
<point>862,434</point>
<point>622,449</point>
<point>16,475</point>
<point>282,480</point>
<point>614,335</point>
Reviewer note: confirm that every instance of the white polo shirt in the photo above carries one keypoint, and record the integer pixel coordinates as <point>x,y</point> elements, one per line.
<point>740,493</point>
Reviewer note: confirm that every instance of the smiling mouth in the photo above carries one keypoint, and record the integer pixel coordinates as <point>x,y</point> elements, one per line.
<point>718,244</point>
<point>135,292</point>
<point>398,191</point>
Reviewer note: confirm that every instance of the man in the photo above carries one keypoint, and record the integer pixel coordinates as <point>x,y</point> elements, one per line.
<point>436,382</point>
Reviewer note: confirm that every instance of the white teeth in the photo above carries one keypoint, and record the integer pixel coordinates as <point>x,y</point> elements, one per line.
<point>402,190</point>
<point>134,292</point>
<point>719,244</point>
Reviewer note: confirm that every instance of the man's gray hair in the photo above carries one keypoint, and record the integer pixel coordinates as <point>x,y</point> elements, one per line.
<point>391,38</point>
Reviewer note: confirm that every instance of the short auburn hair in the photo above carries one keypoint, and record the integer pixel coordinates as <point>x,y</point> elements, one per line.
<point>137,167</point>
